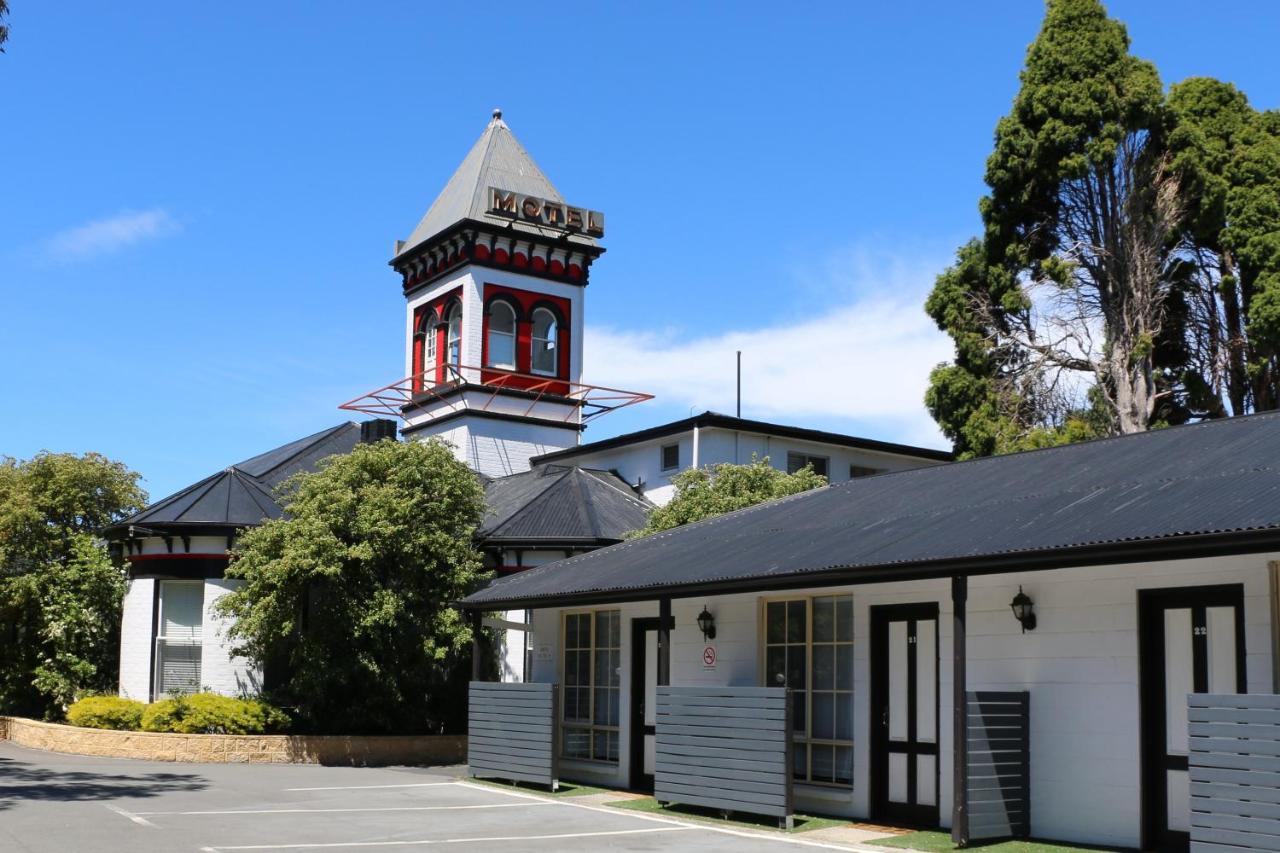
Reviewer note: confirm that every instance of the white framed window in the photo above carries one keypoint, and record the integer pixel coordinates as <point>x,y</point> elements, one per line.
<point>453,343</point>
<point>591,686</point>
<point>179,636</point>
<point>670,457</point>
<point>429,345</point>
<point>856,471</point>
<point>797,461</point>
<point>808,647</point>
<point>502,335</point>
<point>543,356</point>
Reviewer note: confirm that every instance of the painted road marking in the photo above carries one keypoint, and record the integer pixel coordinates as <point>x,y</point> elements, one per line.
<point>346,811</point>
<point>673,821</point>
<point>131,816</point>
<point>492,839</point>
<point>372,787</point>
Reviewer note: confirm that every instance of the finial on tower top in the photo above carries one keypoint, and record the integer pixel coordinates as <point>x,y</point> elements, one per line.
<point>497,113</point>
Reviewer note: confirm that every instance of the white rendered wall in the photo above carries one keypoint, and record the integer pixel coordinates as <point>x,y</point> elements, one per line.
<point>1080,666</point>
<point>643,461</point>
<point>219,671</point>
<point>136,640</point>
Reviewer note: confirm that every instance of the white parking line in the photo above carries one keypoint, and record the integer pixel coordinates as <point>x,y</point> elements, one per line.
<point>131,816</point>
<point>492,839</point>
<point>371,787</point>
<point>674,821</point>
<point>345,811</point>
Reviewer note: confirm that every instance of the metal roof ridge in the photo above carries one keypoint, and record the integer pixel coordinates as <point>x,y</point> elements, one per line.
<point>524,507</point>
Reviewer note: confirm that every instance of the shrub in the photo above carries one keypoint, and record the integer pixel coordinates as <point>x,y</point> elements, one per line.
<point>106,712</point>
<point>210,713</point>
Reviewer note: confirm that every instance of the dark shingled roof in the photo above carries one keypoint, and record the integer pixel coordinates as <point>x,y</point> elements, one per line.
<point>557,503</point>
<point>241,495</point>
<point>1206,488</point>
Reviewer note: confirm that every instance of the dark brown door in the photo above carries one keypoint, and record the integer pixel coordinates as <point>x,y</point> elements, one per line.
<point>904,713</point>
<point>644,685</point>
<point>1190,640</point>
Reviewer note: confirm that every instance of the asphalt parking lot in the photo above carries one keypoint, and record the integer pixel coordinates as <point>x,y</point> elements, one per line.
<point>51,802</point>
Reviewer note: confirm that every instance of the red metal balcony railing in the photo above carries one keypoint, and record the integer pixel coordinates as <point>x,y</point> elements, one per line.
<point>445,384</point>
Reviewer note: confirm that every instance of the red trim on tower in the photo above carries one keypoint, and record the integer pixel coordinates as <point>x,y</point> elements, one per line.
<point>526,301</point>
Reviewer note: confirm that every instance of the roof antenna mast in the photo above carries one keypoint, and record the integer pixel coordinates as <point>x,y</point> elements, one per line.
<point>739,383</point>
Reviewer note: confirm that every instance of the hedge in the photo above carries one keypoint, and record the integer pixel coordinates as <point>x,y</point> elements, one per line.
<point>106,712</point>
<point>199,713</point>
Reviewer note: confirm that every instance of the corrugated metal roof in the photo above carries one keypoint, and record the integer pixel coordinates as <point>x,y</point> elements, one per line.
<point>561,503</point>
<point>1217,477</point>
<point>496,160</point>
<point>242,494</point>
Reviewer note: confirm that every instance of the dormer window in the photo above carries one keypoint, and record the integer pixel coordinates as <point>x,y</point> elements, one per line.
<point>502,335</point>
<point>543,342</point>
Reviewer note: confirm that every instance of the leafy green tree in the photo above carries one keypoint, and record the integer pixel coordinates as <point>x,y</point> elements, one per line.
<point>1126,276</point>
<point>60,592</point>
<point>1228,155</point>
<point>706,492</point>
<point>349,595</point>
<point>1066,288</point>
<point>4,28</point>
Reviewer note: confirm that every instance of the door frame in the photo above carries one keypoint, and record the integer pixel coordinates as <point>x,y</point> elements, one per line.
<point>1151,709</point>
<point>639,780</point>
<point>881,616</point>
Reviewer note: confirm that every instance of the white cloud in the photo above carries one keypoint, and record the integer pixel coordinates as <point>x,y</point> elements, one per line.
<point>103,236</point>
<point>864,355</point>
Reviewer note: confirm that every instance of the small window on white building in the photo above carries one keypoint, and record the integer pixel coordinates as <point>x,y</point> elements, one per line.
<point>543,358</point>
<point>670,457</point>
<point>796,461</point>
<point>502,335</point>
<point>179,634</point>
<point>808,647</point>
<point>592,684</point>
<point>856,471</point>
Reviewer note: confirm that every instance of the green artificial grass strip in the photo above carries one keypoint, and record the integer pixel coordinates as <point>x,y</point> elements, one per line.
<point>932,842</point>
<point>567,789</point>
<point>801,823</point>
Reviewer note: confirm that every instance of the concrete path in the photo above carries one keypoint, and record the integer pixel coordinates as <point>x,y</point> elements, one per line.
<point>51,802</point>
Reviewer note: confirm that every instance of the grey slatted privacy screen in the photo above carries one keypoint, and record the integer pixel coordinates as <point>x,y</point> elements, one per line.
<point>1235,772</point>
<point>999,765</point>
<point>724,748</point>
<point>511,732</point>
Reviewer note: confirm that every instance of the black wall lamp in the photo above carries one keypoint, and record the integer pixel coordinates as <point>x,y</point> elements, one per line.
<point>1024,610</point>
<point>707,624</point>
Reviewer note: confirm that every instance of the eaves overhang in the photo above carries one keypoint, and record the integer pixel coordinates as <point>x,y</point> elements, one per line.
<point>1129,551</point>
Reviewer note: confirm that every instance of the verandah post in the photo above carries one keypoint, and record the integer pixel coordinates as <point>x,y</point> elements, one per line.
<point>959,715</point>
<point>475,644</point>
<point>664,642</point>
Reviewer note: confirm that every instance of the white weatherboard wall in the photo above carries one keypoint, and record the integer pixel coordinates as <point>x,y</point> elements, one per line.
<point>1080,665</point>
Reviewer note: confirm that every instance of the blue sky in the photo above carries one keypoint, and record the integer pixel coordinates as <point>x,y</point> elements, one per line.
<point>199,200</point>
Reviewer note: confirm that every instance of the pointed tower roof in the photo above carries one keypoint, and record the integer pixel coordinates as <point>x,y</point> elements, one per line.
<point>496,160</point>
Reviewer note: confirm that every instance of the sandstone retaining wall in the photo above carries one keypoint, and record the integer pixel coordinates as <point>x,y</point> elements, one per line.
<point>363,751</point>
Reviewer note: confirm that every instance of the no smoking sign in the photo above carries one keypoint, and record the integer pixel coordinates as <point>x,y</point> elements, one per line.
<point>709,657</point>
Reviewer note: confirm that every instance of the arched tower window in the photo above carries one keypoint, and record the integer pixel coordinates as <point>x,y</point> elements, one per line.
<point>429,343</point>
<point>502,335</point>
<point>453,343</point>
<point>544,356</point>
